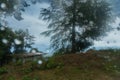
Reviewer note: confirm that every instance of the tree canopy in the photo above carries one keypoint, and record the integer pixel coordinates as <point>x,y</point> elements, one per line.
<point>13,42</point>
<point>15,7</point>
<point>75,24</point>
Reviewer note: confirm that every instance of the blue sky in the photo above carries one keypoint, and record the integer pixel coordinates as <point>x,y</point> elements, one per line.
<point>36,26</point>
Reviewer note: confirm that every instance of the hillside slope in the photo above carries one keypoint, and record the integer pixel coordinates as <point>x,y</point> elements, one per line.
<point>93,65</point>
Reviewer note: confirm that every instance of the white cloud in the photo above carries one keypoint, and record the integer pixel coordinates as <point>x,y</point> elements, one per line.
<point>36,26</point>
<point>33,24</point>
<point>112,40</point>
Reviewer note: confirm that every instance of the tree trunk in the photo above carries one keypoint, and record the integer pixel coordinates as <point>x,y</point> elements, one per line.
<point>73,40</point>
<point>73,28</point>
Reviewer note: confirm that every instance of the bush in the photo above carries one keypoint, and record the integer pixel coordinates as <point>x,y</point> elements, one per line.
<point>19,63</point>
<point>112,67</point>
<point>3,70</point>
<point>51,64</point>
<point>36,78</point>
<point>26,78</point>
<point>30,78</point>
<point>1,78</point>
<point>11,78</point>
<point>33,65</point>
<point>26,71</point>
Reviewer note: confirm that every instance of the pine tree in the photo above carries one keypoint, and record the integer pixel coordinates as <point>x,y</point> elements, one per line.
<point>76,22</point>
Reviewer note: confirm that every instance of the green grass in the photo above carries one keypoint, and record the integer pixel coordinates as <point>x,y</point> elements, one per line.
<point>95,65</point>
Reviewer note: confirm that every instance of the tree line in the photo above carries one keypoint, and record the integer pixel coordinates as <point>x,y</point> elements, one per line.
<point>74,25</point>
<point>13,42</point>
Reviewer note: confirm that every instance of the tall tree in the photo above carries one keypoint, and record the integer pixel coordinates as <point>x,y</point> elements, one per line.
<point>6,40</point>
<point>76,22</point>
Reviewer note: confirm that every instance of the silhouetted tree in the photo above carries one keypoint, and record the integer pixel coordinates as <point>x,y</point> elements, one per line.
<point>18,41</point>
<point>6,40</point>
<point>74,24</point>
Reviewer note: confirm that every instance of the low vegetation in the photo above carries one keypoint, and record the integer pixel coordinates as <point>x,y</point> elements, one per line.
<point>92,65</point>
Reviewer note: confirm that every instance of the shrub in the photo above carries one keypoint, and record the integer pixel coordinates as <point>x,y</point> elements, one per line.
<point>50,64</point>
<point>19,63</point>
<point>1,78</point>
<point>33,65</point>
<point>36,78</point>
<point>11,78</point>
<point>112,67</point>
<point>26,78</point>
<point>26,71</point>
<point>31,78</point>
<point>3,70</point>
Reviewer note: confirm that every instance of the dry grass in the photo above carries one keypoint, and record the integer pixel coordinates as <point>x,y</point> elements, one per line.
<point>89,66</point>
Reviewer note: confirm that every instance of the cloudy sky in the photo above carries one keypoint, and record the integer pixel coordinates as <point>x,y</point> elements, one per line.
<point>36,26</point>
<point>112,40</point>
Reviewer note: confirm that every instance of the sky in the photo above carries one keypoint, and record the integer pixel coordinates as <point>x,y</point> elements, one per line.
<point>35,26</point>
<point>112,40</point>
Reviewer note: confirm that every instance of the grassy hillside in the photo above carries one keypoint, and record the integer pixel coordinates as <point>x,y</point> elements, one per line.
<point>93,65</point>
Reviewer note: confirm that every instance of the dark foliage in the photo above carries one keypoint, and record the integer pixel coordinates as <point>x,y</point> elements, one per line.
<point>8,43</point>
<point>74,24</point>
